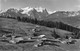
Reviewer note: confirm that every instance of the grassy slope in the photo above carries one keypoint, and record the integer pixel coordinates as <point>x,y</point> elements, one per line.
<point>74,21</point>
<point>21,28</point>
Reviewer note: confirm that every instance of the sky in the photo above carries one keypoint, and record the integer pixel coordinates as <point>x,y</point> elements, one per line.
<point>51,5</point>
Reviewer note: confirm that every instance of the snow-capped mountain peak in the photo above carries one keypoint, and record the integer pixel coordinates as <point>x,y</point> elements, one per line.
<point>50,12</point>
<point>3,11</point>
<point>28,9</point>
<point>38,12</point>
<point>40,9</point>
<point>35,12</point>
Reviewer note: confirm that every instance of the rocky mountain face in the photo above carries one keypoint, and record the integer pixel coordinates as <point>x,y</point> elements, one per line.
<point>26,12</point>
<point>38,13</point>
<point>42,13</point>
<point>68,17</point>
<point>65,14</point>
<point>12,13</point>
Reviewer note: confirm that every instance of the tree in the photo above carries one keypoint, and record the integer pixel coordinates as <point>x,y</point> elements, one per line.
<point>18,18</point>
<point>55,35</point>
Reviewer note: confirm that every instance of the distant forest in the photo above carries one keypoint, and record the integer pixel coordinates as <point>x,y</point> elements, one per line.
<point>51,24</point>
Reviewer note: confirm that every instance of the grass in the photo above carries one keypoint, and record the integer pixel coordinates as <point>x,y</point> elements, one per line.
<point>25,29</point>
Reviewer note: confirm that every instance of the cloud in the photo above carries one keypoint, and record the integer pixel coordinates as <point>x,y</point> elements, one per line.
<point>0,4</point>
<point>78,0</point>
<point>5,0</point>
<point>78,6</point>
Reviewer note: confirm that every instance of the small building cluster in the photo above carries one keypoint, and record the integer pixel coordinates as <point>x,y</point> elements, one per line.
<point>42,39</point>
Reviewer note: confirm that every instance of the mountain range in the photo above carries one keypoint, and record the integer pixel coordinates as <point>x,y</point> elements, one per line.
<point>26,12</point>
<point>68,17</point>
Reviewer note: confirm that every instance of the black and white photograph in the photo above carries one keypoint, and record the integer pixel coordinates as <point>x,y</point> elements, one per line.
<point>39,25</point>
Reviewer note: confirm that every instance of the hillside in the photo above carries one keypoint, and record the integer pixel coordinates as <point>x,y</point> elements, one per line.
<point>26,29</point>
<point>31,30</point>
<point>42,13</point>
<point>74,21</point>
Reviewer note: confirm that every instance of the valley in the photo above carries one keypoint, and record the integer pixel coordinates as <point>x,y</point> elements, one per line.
<point>35,30</point>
